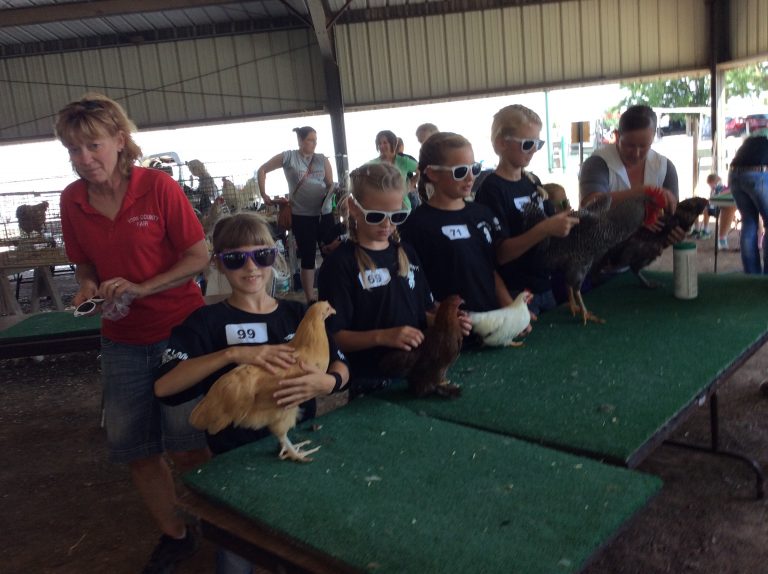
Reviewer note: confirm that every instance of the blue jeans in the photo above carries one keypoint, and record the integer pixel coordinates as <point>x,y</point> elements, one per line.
<point>138,425</point>
<point>544,301</point>
<point>750,191</point>
<point>227,562</point>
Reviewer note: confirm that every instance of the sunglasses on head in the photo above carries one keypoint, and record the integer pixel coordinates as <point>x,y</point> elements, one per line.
<point>374,216</point>
<point>527,144</point>
<point>233,260</point>
<point>460,171</point>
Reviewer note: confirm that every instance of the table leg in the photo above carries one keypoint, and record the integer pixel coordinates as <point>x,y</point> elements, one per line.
<point>8,303</point>
<point>717,234</point>
<point>42,284</point>
<point>714,447</point>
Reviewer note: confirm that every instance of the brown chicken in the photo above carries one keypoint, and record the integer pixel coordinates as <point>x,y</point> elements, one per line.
<point>425,366</point>
<point>32,217</point>
<point>243,396</point>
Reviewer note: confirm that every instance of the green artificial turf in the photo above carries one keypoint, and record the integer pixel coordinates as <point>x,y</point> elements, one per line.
<point>394,492</point>
<point>607,389</point>
<point>53,324</point>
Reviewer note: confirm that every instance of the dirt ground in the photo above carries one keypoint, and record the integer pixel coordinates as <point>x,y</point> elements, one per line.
<point>65,509</point>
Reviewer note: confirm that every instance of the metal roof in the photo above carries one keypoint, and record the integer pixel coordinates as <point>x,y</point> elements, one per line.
<point>173,62</point>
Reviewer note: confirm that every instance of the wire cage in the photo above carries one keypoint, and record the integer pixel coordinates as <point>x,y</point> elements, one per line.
<point>30,230</point>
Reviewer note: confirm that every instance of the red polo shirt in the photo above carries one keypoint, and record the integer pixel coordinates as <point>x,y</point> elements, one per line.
<point>155,224</point>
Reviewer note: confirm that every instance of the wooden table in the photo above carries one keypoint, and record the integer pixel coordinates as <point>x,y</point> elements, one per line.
<point>614,391</point>
<point>47,335</point>
<point>394,492</point>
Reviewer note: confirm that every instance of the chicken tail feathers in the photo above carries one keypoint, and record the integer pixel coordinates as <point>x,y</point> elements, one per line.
<point>206,417</point>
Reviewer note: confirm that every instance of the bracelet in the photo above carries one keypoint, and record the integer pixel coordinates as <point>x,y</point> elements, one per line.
<point>339,381</point>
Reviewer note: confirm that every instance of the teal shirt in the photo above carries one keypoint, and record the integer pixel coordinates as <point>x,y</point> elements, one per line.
<point>404,165</point>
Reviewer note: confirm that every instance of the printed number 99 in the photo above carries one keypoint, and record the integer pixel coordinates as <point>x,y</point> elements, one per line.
<point>246,333</point>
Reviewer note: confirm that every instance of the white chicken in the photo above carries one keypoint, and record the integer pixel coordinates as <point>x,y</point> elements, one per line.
<point>498,328</point>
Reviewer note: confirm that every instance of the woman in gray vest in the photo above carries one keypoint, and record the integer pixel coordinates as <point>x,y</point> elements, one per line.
<point>309,178</point>
<point>623,169</point>
<point>630,163</point>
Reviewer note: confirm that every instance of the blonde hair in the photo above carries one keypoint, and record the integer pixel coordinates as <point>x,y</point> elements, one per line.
<point>713,178</point>
<point>375,178</point>
<point>508,121</point>
<point>234,231</point>
<point>557,195</point>
<point>93,116</point>
<point>433,152</point>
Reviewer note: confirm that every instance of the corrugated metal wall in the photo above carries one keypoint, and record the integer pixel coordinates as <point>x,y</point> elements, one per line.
<point>749,28</point>
<point>519,48</point>
<point>383,62</point>
<point>185,82</point>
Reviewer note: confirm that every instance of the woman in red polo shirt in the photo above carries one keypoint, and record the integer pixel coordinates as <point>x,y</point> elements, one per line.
<point>136,243</point>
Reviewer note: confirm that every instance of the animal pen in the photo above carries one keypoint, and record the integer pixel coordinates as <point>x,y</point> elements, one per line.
<point>30,238</point>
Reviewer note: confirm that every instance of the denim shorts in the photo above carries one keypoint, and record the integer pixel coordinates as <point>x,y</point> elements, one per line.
<point>138,425</point>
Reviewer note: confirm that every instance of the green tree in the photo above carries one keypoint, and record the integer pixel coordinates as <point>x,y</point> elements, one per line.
<point>748,80</point>
<point>669,93</point>
<point>695,91</point>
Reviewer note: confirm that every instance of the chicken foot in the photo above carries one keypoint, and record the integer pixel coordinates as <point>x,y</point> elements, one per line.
<point>290,451</point>
<point>447,389</point>
<point>580,308</point>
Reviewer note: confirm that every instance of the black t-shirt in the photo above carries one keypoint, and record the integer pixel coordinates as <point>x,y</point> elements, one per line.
<point>753,152</point>
<point>507,199</point>
<point>457,250</point>
<point>391,300</point>
<point>216,327</point>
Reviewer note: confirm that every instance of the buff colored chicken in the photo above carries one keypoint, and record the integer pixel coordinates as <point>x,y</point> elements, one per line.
<point>243,396</point>
<point>498,328</point>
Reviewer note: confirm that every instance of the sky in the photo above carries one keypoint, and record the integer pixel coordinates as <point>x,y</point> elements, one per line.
<point>236,150</point>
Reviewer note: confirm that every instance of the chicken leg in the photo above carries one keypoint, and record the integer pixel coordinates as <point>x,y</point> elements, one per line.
<point>579,307</point>
<point>290,451</point>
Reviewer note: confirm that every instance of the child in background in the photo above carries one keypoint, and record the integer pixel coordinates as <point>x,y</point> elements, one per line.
<point>251,327</point>
<point>375,283</point>
<point>701,229</point>
<point>558,199</point>
<point>455,240</point>
<point>515,135</point>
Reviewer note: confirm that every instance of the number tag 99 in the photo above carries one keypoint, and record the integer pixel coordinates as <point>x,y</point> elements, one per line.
<point>239,334</point>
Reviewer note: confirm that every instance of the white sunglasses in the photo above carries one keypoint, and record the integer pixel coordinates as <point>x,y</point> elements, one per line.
<point>527,144</point>
<point>375,216</point>
<point>88,306</point>
<point>459,172</point>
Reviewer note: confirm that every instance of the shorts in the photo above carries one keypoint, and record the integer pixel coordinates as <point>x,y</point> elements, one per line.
<point>544,301</point>
<point>306,231</point>
<point>361,386</point>
<point>138,425</point>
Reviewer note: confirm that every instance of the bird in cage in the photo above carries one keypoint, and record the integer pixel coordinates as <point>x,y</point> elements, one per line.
<point>32,217</point>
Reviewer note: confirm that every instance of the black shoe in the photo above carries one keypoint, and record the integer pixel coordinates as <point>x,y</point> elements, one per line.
<point>170,551</point>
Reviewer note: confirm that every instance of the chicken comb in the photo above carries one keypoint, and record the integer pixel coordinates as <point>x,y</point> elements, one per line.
<point>655,205</point>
